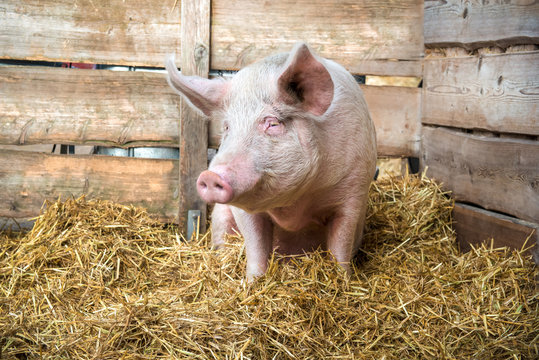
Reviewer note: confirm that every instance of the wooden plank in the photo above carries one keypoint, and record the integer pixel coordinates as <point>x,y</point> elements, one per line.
<point>118,32</point>
<point>498,174</point>
<point>94,107</point>
<point>474,24</point>
<point>374,37</point>
<point>28,179</point>
<point>475,226</point>
<point>195,60</point>
<point>40,105</point>
<point>396,115</point>
<point>491,92</point>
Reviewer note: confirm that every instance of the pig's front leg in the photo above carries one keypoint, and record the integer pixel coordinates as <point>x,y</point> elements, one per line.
<point>345,232</point>
<point>257,230</point>
<point>222,223</point>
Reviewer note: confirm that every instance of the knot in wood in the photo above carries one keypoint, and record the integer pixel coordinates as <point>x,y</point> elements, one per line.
<point>200,52</point>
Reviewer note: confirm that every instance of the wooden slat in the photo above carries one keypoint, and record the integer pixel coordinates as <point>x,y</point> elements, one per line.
<point>119,32</point>
<point>396,115</point>
<point>95,107</point>
<point>195,60</point>
<point>27,179</point>
<point>475,226</point>
<point>369,37</point>
<point>475,24</point>
<point>496,173</point>
<point>492,92</point>
<point>40,105</point>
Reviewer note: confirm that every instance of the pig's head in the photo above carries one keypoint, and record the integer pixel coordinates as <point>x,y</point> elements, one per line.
<point>269,112</point>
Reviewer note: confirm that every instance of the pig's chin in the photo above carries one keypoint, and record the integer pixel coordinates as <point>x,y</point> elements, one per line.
<point>255,202</point>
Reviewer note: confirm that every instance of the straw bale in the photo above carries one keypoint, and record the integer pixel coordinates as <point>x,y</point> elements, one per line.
<point>99,280</point>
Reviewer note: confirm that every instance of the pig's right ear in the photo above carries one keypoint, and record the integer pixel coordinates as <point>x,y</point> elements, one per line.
<point>305,80</point>
<point>204,94</point>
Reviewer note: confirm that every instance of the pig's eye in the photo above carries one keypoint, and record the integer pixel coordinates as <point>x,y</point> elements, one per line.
<point>272,126</point>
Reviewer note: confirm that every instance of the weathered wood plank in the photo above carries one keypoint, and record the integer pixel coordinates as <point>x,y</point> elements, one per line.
<point>40,105</point>
<point>118,32</point>
<point>94,107</point>
<point>491,92</point>
<point>396,115</point>
<point>475,226</point>
<point>474,24</point>
<point>27,179</point>
<point>375,37</point>
<point>498,174</point>
<point>195,60</point>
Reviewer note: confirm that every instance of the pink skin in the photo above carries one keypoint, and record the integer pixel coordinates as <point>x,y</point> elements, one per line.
<point>297,155</point>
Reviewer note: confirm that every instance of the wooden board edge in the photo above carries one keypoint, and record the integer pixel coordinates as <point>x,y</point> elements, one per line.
<point>29,178</point>
<point>475,226</point>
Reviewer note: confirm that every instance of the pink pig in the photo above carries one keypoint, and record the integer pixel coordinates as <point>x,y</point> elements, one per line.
<point>297,155</point>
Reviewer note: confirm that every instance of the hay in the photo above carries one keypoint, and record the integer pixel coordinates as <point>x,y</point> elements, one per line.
<point>99,280</point>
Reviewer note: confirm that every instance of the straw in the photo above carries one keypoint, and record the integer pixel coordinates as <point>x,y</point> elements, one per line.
<point>97,280</point>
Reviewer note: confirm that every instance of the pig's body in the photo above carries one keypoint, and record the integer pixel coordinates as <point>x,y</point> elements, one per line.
<point>297,156</point>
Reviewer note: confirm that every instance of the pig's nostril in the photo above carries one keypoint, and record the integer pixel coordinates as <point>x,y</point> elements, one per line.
<point>219,186</point>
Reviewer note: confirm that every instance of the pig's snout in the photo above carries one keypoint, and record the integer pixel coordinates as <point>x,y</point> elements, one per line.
<point>212,188</point>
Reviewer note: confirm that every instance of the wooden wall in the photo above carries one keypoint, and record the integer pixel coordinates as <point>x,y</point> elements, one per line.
<point>43,105</point>
<point>474,123</point>
<point>480,115</point>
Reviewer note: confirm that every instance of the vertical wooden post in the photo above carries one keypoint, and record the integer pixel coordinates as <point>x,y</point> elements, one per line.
<point>194,60</point>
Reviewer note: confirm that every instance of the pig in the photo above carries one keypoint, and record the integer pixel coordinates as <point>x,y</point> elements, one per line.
<point>297,156</point>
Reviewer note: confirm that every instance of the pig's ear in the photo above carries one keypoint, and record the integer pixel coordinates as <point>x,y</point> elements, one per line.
<point>204,94</point>
<point>306,80</point>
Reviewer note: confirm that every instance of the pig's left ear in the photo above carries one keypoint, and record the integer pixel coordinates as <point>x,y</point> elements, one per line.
<point>204,94</point>
<point>306,81</point>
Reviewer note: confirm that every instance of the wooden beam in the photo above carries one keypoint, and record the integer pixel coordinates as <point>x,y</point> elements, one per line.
<point>396,115</point>
<point>500,174</point>
<point>100,32</point>
<point>28,179</point>
<point>374,37</point>
<point>491,92</point>
<point>40,105</point>
<point>475,226</point>
<point>195,60</point>
<point>475,24</point>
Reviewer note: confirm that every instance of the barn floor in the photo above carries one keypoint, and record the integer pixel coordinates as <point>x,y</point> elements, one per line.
<point>94,279</point>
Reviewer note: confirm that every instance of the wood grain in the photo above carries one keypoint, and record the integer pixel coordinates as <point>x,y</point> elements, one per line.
<point>396,115</point>
<point>93,107</point>
<point>195,60</point>
<point>475,226</point>
<point>40,105</point>
<point>28,179</point>
<point>140,32</point>
<point>498,174</point>
<point>374,37</point>
<point>491,92</point>
<point>474,24</point>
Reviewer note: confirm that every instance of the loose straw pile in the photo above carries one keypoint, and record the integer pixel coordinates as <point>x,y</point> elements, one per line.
<point>103,281</point>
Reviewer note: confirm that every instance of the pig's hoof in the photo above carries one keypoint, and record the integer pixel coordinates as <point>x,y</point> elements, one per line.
<point>252,276</point>
<point>217,246</point>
